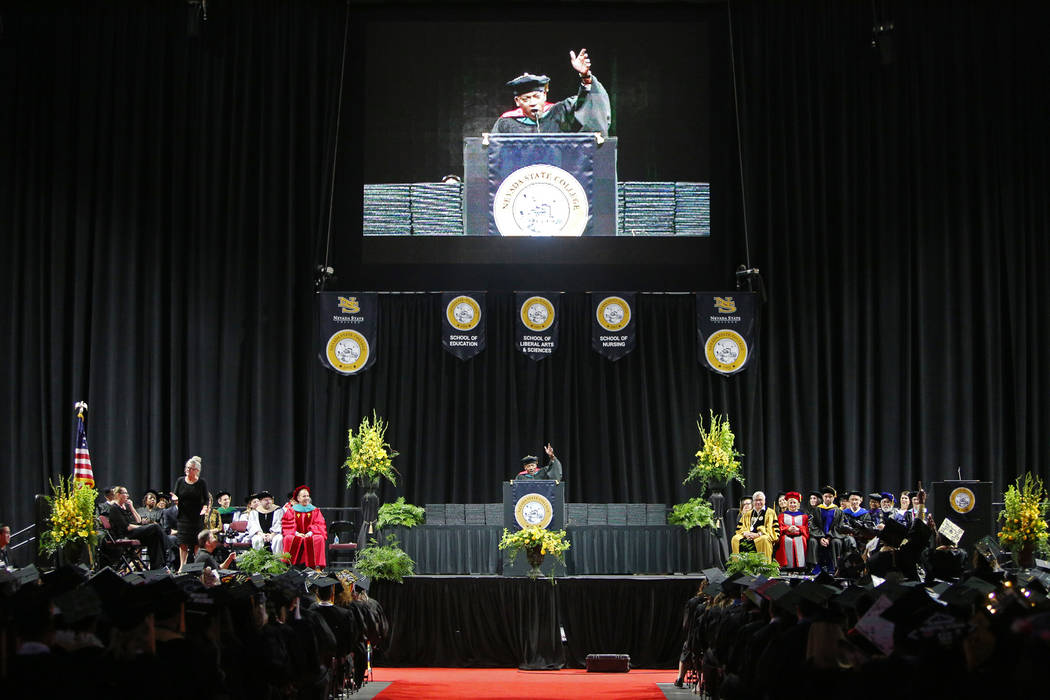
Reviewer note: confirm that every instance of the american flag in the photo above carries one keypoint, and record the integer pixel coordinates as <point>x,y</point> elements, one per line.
<point>82,458</point>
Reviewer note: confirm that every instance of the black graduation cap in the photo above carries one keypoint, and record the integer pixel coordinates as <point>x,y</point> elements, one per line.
<point>816,592</point>
<point>134,579</point>
<point>528,459</point>
<point>27,575</point>
<point>825,578</point>
<point>194,569</point>
<point>79,604</point>
<point>261,495</point>
<point>828,489</point>
<point>220,494</point>
<point>108,584</point>
<point>818,494</point>
<point>788,602</point>
<point>893,533</point>
<point>855,599</point>
<point>714,575</point>
<point>874,496</point>
<point>912,604</point>
<point>324,583</point>
<point>154,575</point>
<point>527,82</point>
<point>360,580</point>
<point>855,493</point>
<point>132,607</point>
<point>63,579</point>
<point>773,589</point>
<point>714,588</point>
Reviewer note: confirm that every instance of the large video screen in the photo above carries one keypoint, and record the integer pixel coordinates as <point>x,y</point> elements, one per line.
<point>448,149</point>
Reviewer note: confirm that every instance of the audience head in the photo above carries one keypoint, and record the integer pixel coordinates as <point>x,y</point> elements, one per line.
<point>905,500</point>
<point>264,500</point>
<point>193,468</point>
<point>745,504</point>
<point>814,499</point>
<point>793,499</point>
<point>828,495</point>
<point>206,539</point>
<point>886,502</point>
<point>5,535</point>
<point>301,495</point>
<point>855,499</point>
<point>782,503</point>
<point>162,501</point>
<point>120,495</point>
<point>223,499</point>
<point>758,500</point>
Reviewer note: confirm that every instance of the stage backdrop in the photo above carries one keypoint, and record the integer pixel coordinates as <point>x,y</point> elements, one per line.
<point>163,204</point>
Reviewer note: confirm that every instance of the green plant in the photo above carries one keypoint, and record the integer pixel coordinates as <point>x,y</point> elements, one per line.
<point>370,456</point>
<point>72,516</point>
<point>263,561</point>
<point>696,512</point>
<point>387,562</point>
<point>1024,516</point>
<point>716,460</point>
<point>752,564</point>
<point>400,513</point>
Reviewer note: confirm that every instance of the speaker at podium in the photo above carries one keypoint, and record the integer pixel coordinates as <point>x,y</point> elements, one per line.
<point>532,502</point>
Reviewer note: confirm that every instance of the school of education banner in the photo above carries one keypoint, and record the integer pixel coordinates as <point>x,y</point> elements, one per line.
<point>463,327</point>
<point>536,330</point>
<point>347,330</point>
<point>726,330</point>
<point>612,323</point>
<point>540,184</point>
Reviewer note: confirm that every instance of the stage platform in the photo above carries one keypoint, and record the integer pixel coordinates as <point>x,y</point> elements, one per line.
<point>499,622</point>
<point>596,549</point>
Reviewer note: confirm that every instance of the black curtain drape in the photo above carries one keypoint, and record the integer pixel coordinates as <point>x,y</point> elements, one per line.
<point>164,203</point>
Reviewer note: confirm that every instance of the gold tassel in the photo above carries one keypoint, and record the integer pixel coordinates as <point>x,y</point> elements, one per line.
<point>370,526</point>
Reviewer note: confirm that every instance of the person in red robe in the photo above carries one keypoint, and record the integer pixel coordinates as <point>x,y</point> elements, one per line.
<point>304,531</point>
<point>794,534</point>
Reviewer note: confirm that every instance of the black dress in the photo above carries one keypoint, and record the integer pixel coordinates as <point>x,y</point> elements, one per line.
<point>192,497</point>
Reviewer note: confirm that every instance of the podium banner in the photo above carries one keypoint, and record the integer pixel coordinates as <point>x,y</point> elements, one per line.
<point>347,330</point>
<point>612,323</point>
<point>726,329</point>
<point>536,329</point>
<point>463,327</point>
<point>540,184</point>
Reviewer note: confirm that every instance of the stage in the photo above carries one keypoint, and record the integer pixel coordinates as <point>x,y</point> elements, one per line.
<point>495,621</point>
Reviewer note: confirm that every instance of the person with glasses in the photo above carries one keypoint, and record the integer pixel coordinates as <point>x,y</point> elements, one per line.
<point>125,521</point>
<point>194,499</point>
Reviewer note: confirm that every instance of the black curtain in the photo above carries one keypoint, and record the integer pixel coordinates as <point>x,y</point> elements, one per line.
<point>163,188</point>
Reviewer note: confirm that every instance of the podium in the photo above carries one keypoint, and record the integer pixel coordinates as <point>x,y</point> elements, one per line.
<point>968,504</point>
<point>539,185</point>
<point>532,502</point>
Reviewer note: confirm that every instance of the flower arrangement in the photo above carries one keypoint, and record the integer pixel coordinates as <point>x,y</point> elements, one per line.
<point>696,512</point>
<point>263,561</point>
<point>752,564</point>
<point>716,460</point>
<point>387,561</point>
<point>400,513</point>
<point>1024,527</point>
<point>72,517</point>
<point>536,542</point>
<point>370,457</point>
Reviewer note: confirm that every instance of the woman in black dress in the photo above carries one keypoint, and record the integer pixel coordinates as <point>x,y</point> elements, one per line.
<point>194,498</point>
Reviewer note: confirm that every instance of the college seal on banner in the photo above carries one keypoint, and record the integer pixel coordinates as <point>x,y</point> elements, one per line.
<point>612,325</point>
<point>726,329</point>
<point>463,328</point>
<point>537,323</point>
<point>347,325</point>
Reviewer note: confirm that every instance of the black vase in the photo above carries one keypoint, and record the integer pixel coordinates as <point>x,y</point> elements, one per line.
<point>369,512</point>
<point>717,496</point>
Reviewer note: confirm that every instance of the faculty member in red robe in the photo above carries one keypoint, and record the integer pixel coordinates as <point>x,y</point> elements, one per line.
<point>304,530</point>
<point>794,534</point>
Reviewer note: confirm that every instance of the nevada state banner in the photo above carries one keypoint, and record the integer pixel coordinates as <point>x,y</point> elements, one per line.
<point>612,323</point>
<point>726,330</point>
<point>348,330</point>
<point>463,325</point>
<point>536,329</point>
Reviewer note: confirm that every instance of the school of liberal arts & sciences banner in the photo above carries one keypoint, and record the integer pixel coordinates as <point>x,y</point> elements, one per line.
<point>612,323</point>
<point>540,185</point>
<point>348,330</point>
<point>463,328</point>
<point>726,330</point>
<point>536,330</point>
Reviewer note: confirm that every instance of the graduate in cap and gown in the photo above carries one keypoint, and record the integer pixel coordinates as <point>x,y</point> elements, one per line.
<point>304,530</point>
<point>588,110</point>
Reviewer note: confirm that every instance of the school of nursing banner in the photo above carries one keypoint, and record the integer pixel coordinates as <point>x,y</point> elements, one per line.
<point>612,324</point>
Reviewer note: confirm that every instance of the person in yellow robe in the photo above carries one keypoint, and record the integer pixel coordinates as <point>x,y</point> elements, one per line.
<point>758,528</point>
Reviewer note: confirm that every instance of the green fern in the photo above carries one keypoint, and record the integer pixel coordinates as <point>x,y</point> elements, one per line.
<point>752,564</point>
<point>263,561</point>
<point>696,512</point>
<point>387,562</point>
<point>400,513</point>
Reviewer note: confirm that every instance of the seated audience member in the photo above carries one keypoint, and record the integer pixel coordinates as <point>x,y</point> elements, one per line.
<point>782,502</point>
<point>5,540</point>
<point>207,544</point>
<point>905,503</point>
<point>265,523</point>
<point>821,537</point>
<point>125,522</point>
<point>250,504</point>
<point>886,511</point>
<point>304,531</point>
<point>745,507</point>
<point>149,511</point>
<point>854,527</point>
<point>918,504</point>
<point>225,508</point>
<point>873,503</point>
<point>757,530</point>
<point>794,534</point>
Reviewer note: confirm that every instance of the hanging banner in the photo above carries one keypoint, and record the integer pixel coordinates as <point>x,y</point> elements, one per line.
<point>612,323</point>
<point>537,325</point>
<point>726,330</point>
<point>463,328</point>
<point>348,330</point>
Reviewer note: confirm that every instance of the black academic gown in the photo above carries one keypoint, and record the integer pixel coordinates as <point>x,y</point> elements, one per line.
<point>587,110</point>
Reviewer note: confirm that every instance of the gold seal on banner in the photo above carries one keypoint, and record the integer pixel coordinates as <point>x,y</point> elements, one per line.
<point>347,351</point>
<point>537,313</point>
<point>614,313</point>
<point>463,313</point>
<point>962,500</point>
<point>533,509</point>
<point>726,351</point>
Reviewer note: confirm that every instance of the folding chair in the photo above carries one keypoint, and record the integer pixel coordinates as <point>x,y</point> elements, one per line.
<point>125,550</point>
<point>341,538</point>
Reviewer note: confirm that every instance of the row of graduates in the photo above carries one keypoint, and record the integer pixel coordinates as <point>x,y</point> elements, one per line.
<point>188,637</point>
<point>944,626</point>
<point>814,537</point>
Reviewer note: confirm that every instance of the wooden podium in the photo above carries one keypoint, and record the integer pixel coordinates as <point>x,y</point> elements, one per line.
<point>532,502</point>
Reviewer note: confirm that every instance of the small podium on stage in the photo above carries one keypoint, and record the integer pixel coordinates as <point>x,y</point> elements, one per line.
<point>532,502</point>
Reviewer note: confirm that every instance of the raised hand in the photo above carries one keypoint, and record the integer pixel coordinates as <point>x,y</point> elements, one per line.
<point>581,62</point>
<point>549,450</point>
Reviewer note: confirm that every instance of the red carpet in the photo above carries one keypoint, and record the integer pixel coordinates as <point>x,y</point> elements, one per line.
<point>512,684</point>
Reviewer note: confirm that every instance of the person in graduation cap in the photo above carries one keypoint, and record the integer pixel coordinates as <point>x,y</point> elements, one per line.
<point>794,534</point>
<point>854,526</point>
<point>588,110</point>
<point>530,468</point>
<point>265,523</point>
<point>304,530</point>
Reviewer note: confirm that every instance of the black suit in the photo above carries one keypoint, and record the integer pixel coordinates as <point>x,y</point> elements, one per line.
<point>149,534</point>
